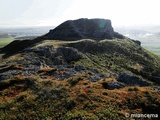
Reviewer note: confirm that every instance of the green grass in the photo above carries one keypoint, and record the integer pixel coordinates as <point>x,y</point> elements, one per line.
<point>5,41</point>
<point>154,50</point>
<point>115,56</point>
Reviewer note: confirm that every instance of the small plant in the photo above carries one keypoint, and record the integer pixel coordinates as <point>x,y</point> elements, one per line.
<point>105,93</point>
<point>75,81</point>
<point>133,89</point>
<point>70,105</point>
<point>105,85</point>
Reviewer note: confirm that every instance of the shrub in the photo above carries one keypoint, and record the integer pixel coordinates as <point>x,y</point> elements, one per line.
<point>105,85</point>
<point>110,113</point>
<point>80,115</point>
<point>133,89</point>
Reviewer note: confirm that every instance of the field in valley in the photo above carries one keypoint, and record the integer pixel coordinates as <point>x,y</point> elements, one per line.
<point>5,41</point>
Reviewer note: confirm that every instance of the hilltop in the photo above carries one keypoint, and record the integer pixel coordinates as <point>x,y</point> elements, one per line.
<point>82,69</point>
<point>71,30</point>
<point>84,29</point>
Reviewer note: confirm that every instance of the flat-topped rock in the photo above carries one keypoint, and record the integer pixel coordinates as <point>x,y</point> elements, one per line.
<point>96,29</point>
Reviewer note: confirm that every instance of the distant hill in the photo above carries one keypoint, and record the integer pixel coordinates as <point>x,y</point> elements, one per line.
<point>3,35</point>
<point>148,36</point>
<point>82,69</point>
<point>26,31</point>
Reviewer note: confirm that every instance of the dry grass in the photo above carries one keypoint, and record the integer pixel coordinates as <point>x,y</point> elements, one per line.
<point>57,42</point>
<point>77,93</point>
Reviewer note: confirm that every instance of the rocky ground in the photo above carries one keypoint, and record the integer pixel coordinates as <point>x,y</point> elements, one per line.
<point>60,62</point>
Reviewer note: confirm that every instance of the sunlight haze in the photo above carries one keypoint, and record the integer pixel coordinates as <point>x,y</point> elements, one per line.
<point>53,12</point>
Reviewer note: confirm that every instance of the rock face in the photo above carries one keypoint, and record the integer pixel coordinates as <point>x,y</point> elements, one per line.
<point>83,29</point>
<point>131,80</point>
<point>56,56</point>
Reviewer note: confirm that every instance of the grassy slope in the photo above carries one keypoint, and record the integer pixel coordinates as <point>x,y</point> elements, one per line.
<point>119,56</point>
<point>114,56</point>
<point>78,98</point>
<point>74,98</point>
<point>155,50</point>
<point>5,41</point>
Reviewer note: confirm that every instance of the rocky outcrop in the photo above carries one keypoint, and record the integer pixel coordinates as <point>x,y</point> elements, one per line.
<point>56,56</point>
<point>83,29</point>
<point>137,42</point>
<point>131,80</point>
<point>59,58</point>
<point>69,54</point>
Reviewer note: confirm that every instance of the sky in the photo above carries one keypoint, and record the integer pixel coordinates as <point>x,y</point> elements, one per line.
<point>53,12</point>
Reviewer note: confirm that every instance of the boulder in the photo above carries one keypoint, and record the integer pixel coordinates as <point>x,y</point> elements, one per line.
<point>112,85</point>
<point>69,54</point>
<point>137,42</point>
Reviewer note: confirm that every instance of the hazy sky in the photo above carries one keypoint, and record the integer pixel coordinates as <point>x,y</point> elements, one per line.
<point>53,12</point>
